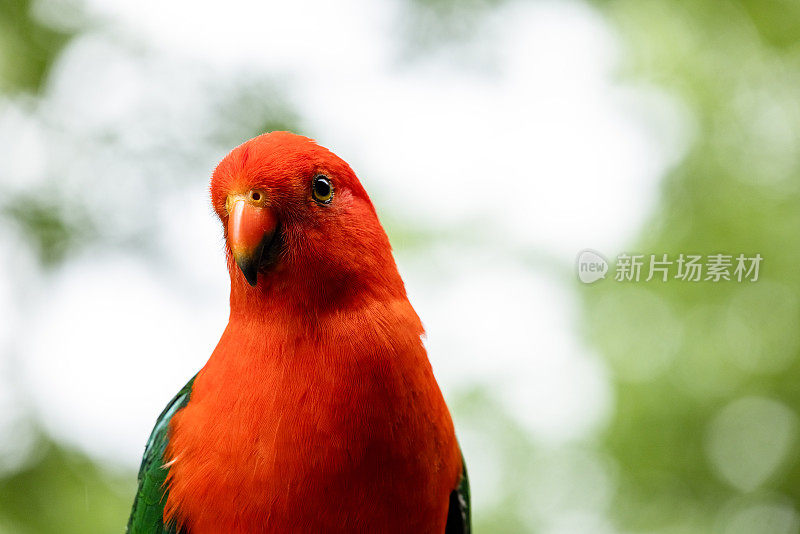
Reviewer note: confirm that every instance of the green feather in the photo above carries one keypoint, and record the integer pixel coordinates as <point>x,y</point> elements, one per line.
<point>147,514</point>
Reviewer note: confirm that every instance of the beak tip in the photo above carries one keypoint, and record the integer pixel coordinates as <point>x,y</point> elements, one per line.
<point>249,268</point>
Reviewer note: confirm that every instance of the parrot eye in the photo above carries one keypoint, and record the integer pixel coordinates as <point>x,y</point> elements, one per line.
<point>322,189</point>
<point>257,197</point>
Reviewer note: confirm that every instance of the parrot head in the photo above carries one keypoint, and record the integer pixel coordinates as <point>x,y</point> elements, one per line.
<point>295,216</point>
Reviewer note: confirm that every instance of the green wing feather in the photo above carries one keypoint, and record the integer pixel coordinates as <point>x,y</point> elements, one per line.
<point>459,515</point>
<point>147,514</point>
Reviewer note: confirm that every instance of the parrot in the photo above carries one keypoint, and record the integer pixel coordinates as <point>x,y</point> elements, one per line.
<point>317,410</point>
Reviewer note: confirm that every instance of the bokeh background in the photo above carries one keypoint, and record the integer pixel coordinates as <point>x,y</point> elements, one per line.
<point>497,139</point>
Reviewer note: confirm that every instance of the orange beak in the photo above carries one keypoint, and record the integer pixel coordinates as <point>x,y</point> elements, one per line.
<point>250,230</point>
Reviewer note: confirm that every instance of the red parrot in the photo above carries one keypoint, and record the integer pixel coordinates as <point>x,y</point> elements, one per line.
<point>318,410</point>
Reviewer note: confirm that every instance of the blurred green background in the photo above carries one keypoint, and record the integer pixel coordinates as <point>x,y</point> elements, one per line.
<point>700,430</point>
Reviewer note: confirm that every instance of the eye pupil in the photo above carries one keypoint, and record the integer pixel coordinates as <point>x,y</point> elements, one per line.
<point>255,195</point>
<point>323,190</point>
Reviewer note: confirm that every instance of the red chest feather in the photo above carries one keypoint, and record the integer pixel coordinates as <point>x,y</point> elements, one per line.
<point>287,431</point>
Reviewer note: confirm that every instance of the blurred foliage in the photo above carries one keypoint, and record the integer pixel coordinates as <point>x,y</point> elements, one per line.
<point>251,108</point>
<point>705,426</point>
<point>27,47</point>
<point>52,228</point>
<point>430,24</point>
<point>64,491</point>
<point>513,462</point>
<point>56,489</point>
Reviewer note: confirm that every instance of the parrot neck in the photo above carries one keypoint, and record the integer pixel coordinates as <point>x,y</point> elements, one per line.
<point>305,295</point>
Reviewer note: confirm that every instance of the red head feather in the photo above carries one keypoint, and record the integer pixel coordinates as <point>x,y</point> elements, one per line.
<point>326,252</point>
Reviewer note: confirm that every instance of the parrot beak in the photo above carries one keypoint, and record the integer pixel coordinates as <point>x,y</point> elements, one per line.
<point>250,230</point>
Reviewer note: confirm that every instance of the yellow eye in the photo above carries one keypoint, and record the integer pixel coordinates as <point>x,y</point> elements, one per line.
<point>322,189</point>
